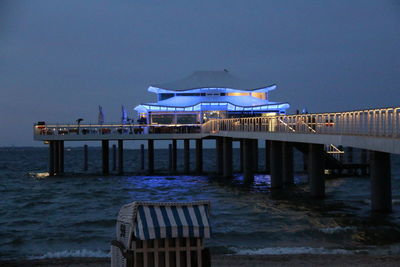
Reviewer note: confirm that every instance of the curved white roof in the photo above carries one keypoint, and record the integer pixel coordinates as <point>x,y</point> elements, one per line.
<point>190,103</point>
<point>184,101</point>
<point>212,79</point>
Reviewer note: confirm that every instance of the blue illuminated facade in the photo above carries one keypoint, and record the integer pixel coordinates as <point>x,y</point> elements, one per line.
<point>206,95</point>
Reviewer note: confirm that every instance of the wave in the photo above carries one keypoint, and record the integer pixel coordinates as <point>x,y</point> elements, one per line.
<point>24,222</point>
<point>104,223</point>
<point>80,253</point>
<point>294,250</point>
<point>337,229</point>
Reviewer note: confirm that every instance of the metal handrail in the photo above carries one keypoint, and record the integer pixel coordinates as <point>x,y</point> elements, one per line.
<point>383,122</point>
<point>375,122</point>
<point>103,129</point>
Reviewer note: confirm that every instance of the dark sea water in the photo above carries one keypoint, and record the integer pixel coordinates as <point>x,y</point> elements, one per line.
<point>74,215</point>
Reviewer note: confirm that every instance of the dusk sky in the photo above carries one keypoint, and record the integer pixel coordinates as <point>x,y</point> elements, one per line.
<point>60,59</point>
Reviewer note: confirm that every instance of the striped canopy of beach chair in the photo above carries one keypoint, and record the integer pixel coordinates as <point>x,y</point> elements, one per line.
<point>171,220</point>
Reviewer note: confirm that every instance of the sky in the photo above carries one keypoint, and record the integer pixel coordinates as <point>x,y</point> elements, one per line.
<point>60,59</point>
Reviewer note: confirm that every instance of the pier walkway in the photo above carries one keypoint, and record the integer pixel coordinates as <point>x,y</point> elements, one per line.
<point>375,129</point>
<point>318,136</point>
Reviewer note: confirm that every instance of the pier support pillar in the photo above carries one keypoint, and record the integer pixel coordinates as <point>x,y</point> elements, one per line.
<point>276,164</point>
<point>174,155</point>
<point>255,155</point>
<point>305,162</point>
<point>170,157</point>
<point>316,170</point>
<point>61,157</point>
<point>381,188</point>
<point>51,158</point>
<point>287,163</point>
<point>57,157</point>
<point>186,155</point>
<point>106,160</point>
<point>364,160</point>
<point>150,156</point>
<point>120,157</point>
<point>199,156</point>
<point>85,157</point>
<point>350,154</point>
<point>114,157</point>
<point>350,159</point>
<point>241,144</point>
<point>142,157</point>
<point>248,173</point>
<point>219,154</point>
<point>267,157</point>
<point>227,172</point>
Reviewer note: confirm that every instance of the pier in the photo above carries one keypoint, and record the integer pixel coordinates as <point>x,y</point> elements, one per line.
<point>318,136</point>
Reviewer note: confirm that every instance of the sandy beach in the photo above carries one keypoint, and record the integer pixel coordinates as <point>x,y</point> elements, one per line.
<point>237,260</point>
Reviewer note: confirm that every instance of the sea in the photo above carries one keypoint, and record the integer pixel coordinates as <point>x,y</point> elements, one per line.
<point>75,215</point>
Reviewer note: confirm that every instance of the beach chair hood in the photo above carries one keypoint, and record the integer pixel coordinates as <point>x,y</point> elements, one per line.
<point>155,220</point>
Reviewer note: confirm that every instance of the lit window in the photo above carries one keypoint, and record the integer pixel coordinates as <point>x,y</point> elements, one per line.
<point>259,95</point>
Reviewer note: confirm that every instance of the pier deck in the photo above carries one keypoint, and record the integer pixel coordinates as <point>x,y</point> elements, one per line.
<point>375,129</point>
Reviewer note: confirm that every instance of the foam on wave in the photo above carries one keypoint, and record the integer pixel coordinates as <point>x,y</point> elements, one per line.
<point>337,229</point>
<point>293,250</point>
<point>80,253</point>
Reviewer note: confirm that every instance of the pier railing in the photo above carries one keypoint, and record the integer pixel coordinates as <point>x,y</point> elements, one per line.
<point>383,122</point>
<point>119,129</point>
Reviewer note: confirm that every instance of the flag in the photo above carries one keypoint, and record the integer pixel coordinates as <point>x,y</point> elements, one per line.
<point>101,115</point>
<point>124,116</point>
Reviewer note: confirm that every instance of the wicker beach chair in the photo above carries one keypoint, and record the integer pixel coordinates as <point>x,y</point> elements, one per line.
<point>162,234</point>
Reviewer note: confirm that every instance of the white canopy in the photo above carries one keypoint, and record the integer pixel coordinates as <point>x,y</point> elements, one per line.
<point>212,79</point>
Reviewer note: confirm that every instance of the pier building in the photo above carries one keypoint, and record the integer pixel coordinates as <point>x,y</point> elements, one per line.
<point>375,132</point>
<point>206,95</point>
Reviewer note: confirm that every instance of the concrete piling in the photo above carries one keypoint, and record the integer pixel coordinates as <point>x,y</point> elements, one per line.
<point>105,153</point>
<point>350,159</point>
<point>170,157</point>
<point>227,161</point>
<point>114,157</point>
<point>199,156</point>
<point>174,155</point>
<point>267,157</point>
<point>350,155</point>
<point>241,144</point>
<point>255,155</point>
<point>364,160</point>
<point>186,155</point>
<point>287,163</point>
<point>85,157</point>
<point>219,155</point>
<point>305,162</point>
<point>248,170</point>
<point>276,164</point>
<point>120,157</point>
<point>381,188</point>
<point>51,158</point>
<point>316,170</point>
<point>61,157</point>
<point>150,156</point>
<point>57,157</point>
<point>142,157</point>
